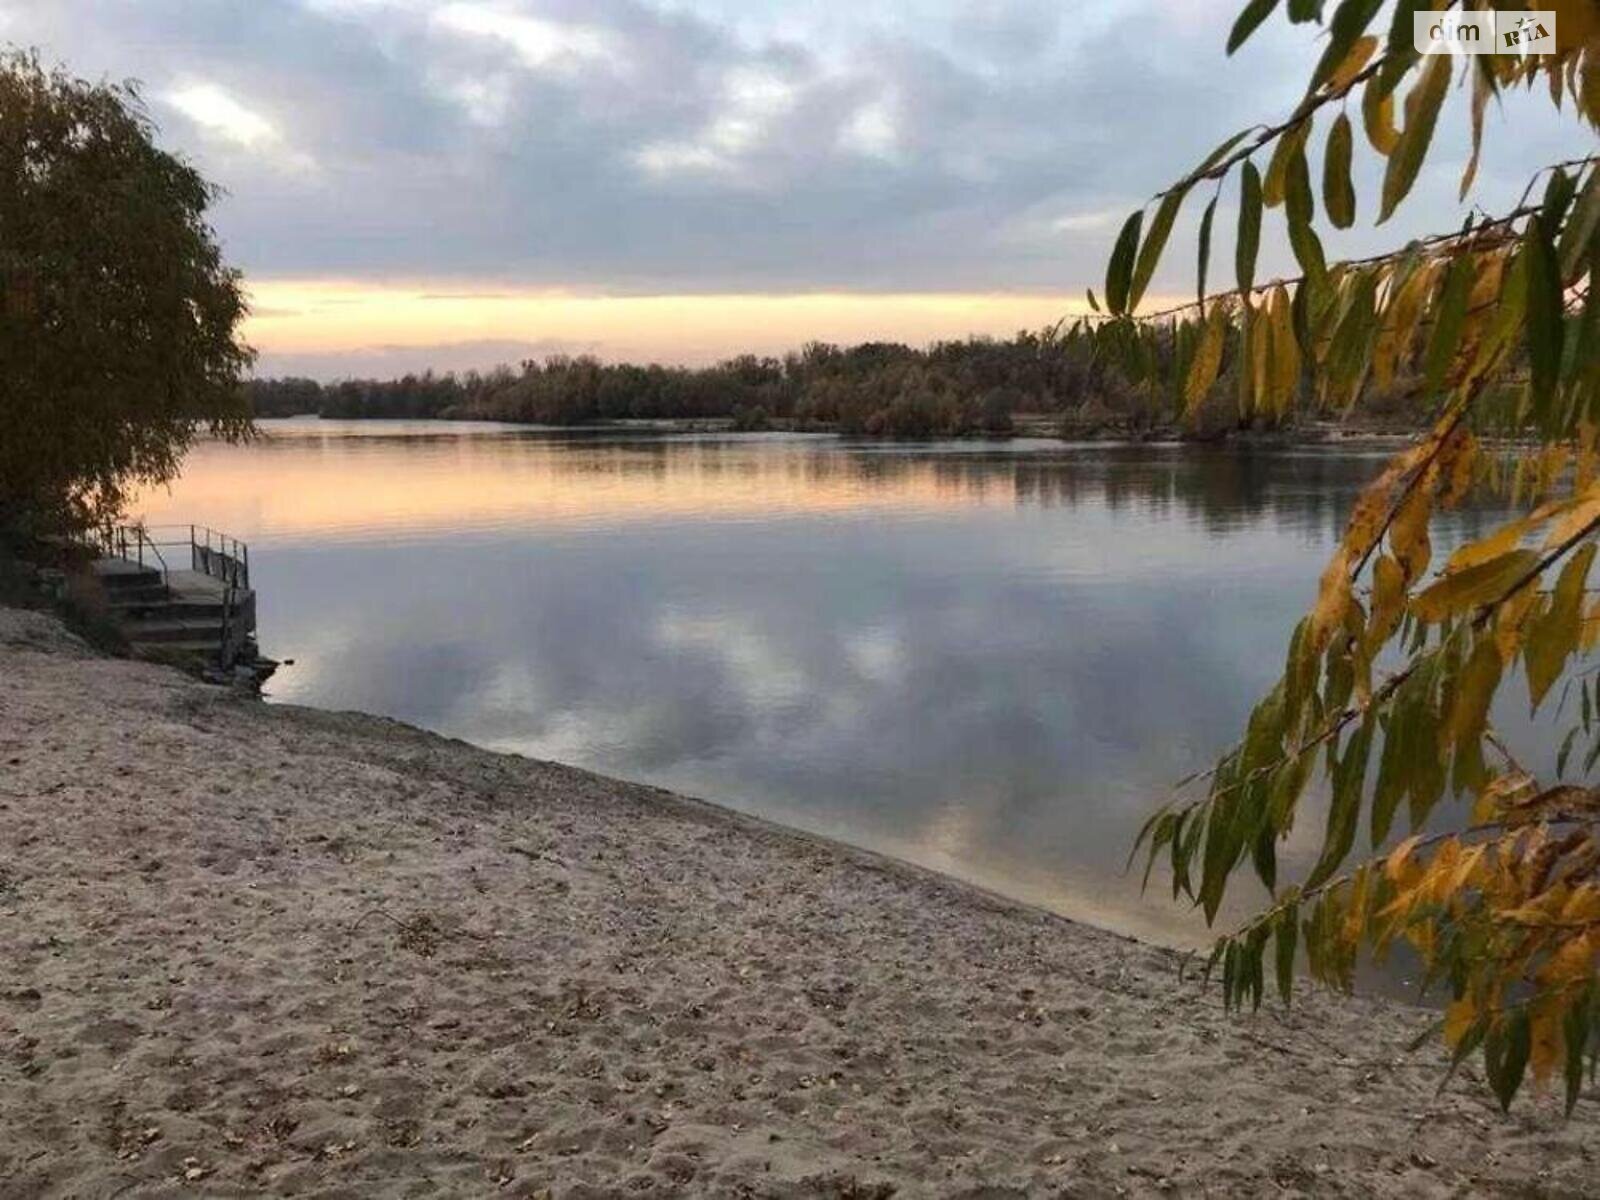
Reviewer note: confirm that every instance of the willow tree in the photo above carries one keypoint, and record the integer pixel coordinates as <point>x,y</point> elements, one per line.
<point>1490,334</point>
<point>118,317</point>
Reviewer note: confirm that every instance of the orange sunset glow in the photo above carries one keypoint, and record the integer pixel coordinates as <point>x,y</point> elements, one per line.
<point>321,317</point>
<point>477,482</point>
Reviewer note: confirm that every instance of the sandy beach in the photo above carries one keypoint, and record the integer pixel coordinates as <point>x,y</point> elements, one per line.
<point>248,947</point>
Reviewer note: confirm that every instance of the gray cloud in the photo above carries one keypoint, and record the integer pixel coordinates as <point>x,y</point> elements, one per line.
<point>635,147</point>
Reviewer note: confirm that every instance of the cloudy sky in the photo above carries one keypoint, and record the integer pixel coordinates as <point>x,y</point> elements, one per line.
<point>470,181</point>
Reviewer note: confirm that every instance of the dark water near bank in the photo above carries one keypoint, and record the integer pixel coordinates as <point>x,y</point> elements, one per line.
<point>988,658</point>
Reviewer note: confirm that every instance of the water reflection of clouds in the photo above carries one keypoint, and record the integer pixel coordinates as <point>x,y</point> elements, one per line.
<point>998,684</point>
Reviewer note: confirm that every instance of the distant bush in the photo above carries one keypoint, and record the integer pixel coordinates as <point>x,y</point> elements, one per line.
<point>949,389</point>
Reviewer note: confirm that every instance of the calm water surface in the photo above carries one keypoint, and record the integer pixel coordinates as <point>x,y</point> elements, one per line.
<point>991,659</point>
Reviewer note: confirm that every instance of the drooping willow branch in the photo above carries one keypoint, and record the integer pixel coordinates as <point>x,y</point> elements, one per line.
<point>1303,112</point>
<point>1379,696</point>
<point>1478,236</point>
<point>1297,897</point>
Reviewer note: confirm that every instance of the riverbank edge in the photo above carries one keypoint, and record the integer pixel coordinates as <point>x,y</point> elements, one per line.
<point>1042,426</point>
<point>382,955</point>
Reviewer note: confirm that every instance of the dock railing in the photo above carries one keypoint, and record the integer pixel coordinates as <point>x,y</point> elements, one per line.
<point>211,552</point>
<point>221,556</point>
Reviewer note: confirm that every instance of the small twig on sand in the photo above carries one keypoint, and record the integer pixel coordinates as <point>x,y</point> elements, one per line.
<point>378,911</point>
<point>535,855</point>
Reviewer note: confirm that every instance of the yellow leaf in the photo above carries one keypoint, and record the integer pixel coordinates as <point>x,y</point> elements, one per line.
<point>1334,599</point>
<point>1498,793</point>
<point>1261,359</point>
<point>1285,351</point>
<point>1474,689</point>
<point>1510,623</point>
<point>1422,936</point>
<point>1583,468</point>
<point>1435,876</point>
<point>1546,1040</point>
<point>1457,465</point>
<point>1377,115</point>
<point>1400,320</point>
<point>1576,23</point>
<point>1360,51</point>
<point>1482,584</point>
<point>1465,870</point>
<point>1584,510</point>
<point>1289,146</point>
<point>1388,602</point>
<point>1408,532</point>
<point>1582,905</point>
<point>1553,637</point>
<point>1371,509</point>
<point>1508,537</point>
<point>1591,627</point>
<point>1458,1018</point>
<point>1355,917</point>
<point>1573,960</point>
<point>1399,857</point>
<point>1482,92</point>
<point>1207,359</point>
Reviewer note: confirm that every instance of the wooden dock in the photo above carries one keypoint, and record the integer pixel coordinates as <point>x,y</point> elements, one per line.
<point>203,609</point>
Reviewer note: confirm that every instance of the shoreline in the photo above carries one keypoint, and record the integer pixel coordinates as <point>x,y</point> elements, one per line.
<point>1029,426</point>
<point>260,946</point>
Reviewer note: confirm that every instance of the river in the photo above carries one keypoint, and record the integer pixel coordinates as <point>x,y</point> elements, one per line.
<point>990,658</point>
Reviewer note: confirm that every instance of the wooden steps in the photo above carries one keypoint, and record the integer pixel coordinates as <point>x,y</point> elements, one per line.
<point>177,612</point>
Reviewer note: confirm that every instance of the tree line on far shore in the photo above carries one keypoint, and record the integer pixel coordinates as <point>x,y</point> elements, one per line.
<point>956,388</point>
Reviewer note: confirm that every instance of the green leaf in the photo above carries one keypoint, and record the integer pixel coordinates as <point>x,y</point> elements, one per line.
<point>1338,193</point>
<point>1205,246</point>
<point>1119,271</point>
<point>1566,751</point>
<point>1218,154</point>
<point>1300,315</point>
<point>1307,247</point>
<point>1288,781</point>
<point>1558,193</point>
<point>1350,21</point>
<point>1422,114</point>
<point>1344,809</point>
<point>1301,11</point>
<point>1509,326</point>
<point>1155,241</point>
<point>1351,348</point>
<point>1297,186</point>
<point>1554,635</point>
<point>1256,950</point>
<point>1401,51</point>
<point>1580,227</point>
<point>1264,856</point>
<point>1288,929</point>
<point>1249,240</point>
<point>1450,313</point>
<point>1403,744</point>
<point>1093,303</point>
<point>1166,827</point>
<point>1254,13</point>
<point>1273,182</point>
<point>1505,1056</point>
<point>1575,1031</point>
<point>1545,324</point>
<point>1469,712</point>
